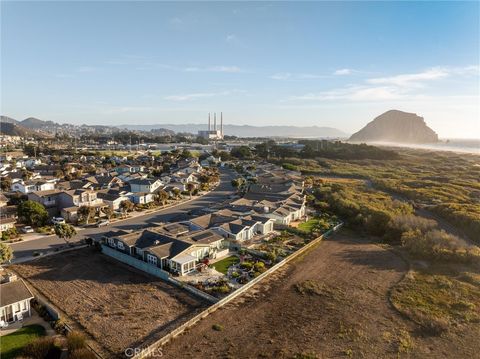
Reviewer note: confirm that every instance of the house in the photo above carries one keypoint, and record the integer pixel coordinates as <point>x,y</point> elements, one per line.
<point>15,299</point>
<point>49,199</point>
<point>113,197</point>
<point>6,224</point>
<point>32,186</point>
<point>264,225</point>
<point>236,230</point>
<point>142,197</point>
<point>171,247</point>
<point>145,185</point>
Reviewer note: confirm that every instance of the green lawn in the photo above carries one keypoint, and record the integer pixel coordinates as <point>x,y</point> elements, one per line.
<point>223,265</point>
<point>308,225</point>
<point>12,344</point>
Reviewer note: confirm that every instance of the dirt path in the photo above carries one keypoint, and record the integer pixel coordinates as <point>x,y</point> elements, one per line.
<point>348,315</point>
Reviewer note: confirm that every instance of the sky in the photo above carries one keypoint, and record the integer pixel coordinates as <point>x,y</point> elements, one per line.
<point>337,64</point>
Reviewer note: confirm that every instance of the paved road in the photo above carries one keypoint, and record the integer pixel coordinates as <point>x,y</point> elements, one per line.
<point>23,250</point>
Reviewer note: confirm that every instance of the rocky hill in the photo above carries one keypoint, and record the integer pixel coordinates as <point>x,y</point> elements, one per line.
<point>396,126</point>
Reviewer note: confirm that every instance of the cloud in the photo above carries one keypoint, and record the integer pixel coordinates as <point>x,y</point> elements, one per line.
<point>86,69</point>
<point>398,87</point>
<point>176,21</point>
<point>229,69</point>
<point>282,76</point>
<point>230,38</point>
<point>412,80</point>
<point>354,93</point>
<point>194,96</point>
<point>126,109</point>
<point>343,72</point>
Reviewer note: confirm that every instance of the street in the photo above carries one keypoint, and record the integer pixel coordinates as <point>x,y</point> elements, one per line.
<point>23,250</point>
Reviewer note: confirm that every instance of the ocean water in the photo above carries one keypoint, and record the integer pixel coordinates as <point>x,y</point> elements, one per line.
<point>452,145</point>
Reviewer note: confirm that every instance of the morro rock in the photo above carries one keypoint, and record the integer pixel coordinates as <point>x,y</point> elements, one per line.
<point>396,126</point>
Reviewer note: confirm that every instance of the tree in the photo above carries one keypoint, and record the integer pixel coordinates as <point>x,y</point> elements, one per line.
<point>190,187</point>
<point>108,212</point>
<point>6,253</point>
<point>162,196</point>
<point>85,212</point>
<point>242,152</point>
<point>176,192</point>
<point>126,206</point>
<point>32,213</point>
<point>6,183</point>
<point>65,231</point>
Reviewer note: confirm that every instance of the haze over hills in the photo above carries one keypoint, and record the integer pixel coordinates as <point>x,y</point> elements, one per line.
<point>398,127</point>
<point>250,131</point>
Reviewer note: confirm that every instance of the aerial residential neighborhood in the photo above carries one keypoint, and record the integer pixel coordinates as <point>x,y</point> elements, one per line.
<point>239,179</point>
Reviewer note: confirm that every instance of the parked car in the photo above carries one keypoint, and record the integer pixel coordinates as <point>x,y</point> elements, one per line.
<point>58,220</point>
<point>27,229</point>
<point>103,223</point>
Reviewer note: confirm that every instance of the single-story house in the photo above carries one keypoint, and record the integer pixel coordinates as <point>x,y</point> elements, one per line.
<point>15,299</point>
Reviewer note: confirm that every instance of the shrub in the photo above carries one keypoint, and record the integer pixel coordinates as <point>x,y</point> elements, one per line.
<point>246,265</point>
<point>217,327</point>
<point>259,267</point>
<point>82,354</point>
<point>75,340</point>
<point>39,348</point>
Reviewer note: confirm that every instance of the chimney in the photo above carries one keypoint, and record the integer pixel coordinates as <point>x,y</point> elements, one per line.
<point>221,124</point>
<point>215,121</point>
<point>209,121</point>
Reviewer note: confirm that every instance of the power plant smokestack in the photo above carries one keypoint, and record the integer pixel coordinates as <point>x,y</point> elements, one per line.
<point>209,121</point>
<point>221,124</point>
<point>215,121</point>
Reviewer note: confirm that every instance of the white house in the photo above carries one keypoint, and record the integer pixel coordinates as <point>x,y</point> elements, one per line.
<point>145,185</point>
<point>6,224</point>
<point>15,299</point>
<point>33,186</point>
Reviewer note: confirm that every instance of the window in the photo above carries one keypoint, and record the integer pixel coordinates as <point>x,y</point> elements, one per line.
<point>120,245</point>
<point>111,242</point>
<point>24,305</point>
<point>151,259</point>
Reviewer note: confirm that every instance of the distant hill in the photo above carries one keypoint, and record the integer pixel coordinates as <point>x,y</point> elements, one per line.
<point>12,129</point>
<point>6,119</point>
<point>36,124</point>
<point>250,131</point>
<point>396,126</point>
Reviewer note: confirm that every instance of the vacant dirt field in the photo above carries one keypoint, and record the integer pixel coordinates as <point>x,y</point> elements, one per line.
<point>332,302</point>
<point>119,307</point>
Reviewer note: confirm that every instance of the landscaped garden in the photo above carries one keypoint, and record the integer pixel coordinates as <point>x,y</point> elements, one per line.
<point>223,265</point>
<point>13,344</point>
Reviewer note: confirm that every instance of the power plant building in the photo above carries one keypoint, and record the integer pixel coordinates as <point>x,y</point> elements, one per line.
<point>213,133</point>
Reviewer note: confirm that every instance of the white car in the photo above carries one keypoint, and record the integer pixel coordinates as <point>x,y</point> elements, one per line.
<point>27,229</point>
<point>103,222</point>
<point>58,220</point>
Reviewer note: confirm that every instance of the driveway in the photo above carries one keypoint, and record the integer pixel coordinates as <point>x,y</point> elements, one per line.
<point>23,250</point>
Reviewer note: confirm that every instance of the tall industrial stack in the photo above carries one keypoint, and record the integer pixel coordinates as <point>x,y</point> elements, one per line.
<point>213,133</point>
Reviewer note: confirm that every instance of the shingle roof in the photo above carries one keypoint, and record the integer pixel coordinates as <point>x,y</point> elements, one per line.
<point>13,292</point>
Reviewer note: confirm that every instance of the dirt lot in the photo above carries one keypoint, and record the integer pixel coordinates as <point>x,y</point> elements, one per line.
<point>332,302</point>
<point>116,305</point>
